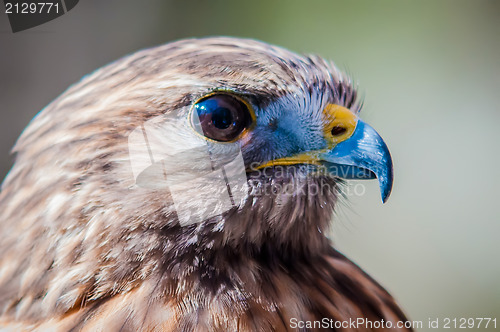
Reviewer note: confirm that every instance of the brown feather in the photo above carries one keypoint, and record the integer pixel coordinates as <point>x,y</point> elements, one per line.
<point>84,248</point>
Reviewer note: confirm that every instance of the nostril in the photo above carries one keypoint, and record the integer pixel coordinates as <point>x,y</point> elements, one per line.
<point>337,130</point>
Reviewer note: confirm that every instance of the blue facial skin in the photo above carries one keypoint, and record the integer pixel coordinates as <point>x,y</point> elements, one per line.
<point>363,156</point>
<point>288,127</point>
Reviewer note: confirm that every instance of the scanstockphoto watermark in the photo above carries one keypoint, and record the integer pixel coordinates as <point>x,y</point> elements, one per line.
<point>26,14</point>
<point>206,179</point>
<point>317,168</point>
<point>299,180</point>
<point>366,324</point>
<point>320,187</point>
<point>356,324</point>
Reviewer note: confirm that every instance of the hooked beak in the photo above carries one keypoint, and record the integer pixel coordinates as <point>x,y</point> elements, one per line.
<point>356,150</point>
<point>364,155</point>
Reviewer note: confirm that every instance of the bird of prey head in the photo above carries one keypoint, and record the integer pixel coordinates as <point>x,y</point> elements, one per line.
<point>189,187</point>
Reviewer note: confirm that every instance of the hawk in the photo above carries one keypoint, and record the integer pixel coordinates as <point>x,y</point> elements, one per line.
<point>190,187</point>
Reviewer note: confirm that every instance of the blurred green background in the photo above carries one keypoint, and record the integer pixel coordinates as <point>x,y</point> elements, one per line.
<point>430,75</point>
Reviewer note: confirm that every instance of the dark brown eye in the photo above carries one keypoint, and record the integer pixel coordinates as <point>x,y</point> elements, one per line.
<point>221,117</point>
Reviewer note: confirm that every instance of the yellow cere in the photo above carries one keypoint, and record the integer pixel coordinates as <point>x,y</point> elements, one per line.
<point>338,117</point>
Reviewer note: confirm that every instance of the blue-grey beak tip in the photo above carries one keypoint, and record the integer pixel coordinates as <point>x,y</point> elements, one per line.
<point>385,181</point>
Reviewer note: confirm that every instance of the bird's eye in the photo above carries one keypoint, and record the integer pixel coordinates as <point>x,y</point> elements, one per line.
<point>221,117</point>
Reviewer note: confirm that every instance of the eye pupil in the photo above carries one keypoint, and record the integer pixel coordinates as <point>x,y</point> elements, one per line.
<point>222,118</point>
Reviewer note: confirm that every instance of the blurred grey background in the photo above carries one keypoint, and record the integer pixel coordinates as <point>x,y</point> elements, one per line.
<point>430,75</point>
